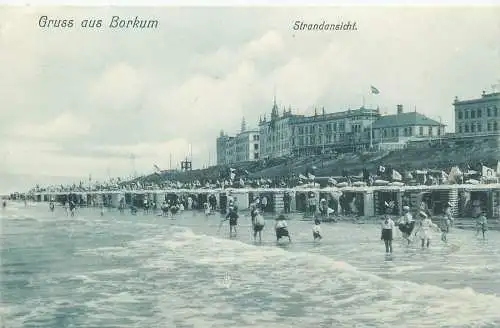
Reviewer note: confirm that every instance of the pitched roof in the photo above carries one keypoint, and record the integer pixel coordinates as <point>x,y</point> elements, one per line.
<point>404,119</point>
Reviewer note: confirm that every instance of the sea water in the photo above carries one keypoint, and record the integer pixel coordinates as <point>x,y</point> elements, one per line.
<point>150,271</point>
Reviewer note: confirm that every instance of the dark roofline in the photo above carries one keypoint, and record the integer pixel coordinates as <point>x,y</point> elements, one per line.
<point>415,116</point>
<point>487,97</point>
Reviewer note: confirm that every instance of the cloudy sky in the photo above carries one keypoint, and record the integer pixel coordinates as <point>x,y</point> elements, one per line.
<point>79,101</point>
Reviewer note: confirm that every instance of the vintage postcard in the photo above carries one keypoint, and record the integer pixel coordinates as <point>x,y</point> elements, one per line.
<point>259,166</point>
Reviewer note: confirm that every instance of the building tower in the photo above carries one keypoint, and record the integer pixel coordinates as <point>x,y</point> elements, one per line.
<point>274,112</point>
<point>243,125</point>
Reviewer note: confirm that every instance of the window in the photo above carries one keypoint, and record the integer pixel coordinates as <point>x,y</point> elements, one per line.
<point>460,115</point>
<point>489,112</point>
<point>439,131</point>
<point>430,130</point>
<point>466,128</point>
<point>255,147</point>
<point>460,128</point>
<point>479,127</point>
<point>472,114</point>
<point>421,131</point>
<point>466,116</point>
<point>495,126</point>
<point>489,126</point>
<point>479,112</point>
<point>495,110</point>
<point>406,132</point>
<point>410,131</point>
<point>472,127</point>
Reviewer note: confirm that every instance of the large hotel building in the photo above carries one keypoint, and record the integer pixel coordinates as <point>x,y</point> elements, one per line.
<point>480,116</point>
<point>295,135</point>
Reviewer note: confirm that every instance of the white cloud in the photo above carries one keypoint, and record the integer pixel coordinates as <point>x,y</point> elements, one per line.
<point>118,86</point>
<point>267,45</point>
<point>156,92</point>
<point>65,125</point>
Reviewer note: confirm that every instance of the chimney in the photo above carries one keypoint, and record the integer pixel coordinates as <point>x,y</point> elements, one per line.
<point>400,109</point>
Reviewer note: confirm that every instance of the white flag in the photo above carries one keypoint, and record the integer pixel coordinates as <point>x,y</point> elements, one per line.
<point>396,176</point>
<point>487,172</point>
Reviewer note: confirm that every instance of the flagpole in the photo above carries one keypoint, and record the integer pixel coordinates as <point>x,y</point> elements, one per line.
<point>371,129</point>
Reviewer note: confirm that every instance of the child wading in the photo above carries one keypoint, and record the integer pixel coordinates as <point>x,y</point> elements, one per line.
<point>406,224</point>
<point>446,223</point>
<point>387,228</point>
<point>425,229</point>
<point>258,223</point>
<point>482,225</point>
<point>232,216</point>
<point>317,230</point>
<point>281,228</point>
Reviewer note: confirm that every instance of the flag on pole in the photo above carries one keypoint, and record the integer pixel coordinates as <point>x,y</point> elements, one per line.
<point>487,172</point>
<point>396,176</point>
<point>374,90</point>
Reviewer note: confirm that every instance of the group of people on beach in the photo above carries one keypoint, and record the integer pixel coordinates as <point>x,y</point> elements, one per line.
<point>258,223</point>
<point>424,227</point>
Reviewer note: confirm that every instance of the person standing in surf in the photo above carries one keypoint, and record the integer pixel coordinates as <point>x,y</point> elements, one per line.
<point>281,228</point>
<point>406,224</point>
<point>72,207</point>
<point>387,227</point>
<point>253,213</point>
<point>425,229</point>
<point>446,223</point>
<point>232,216</point>
<point>258,223</point>
<point>206,206</point>
<point>482,225</point>
<point>317,230</point>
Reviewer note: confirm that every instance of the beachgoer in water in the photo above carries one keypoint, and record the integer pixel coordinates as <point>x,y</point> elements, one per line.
<point>164,208</point>
<point>207,209</point>
<point>232,216</point>
<point>258,223</point>
<point>446,223</point>
<point>387,227</point>
<point>72,207</point>
<point>406,224</point>
<point>317,230</point>
<point>121,207</point>
<point>425,229</point>
<point>4,204</point>
<point>253,212</point>
<point>174,209</point>
<point>281,228</point>
<point>482,225</point>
